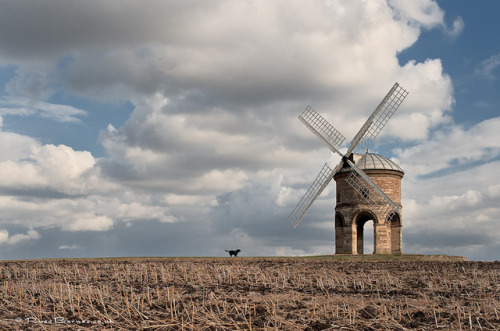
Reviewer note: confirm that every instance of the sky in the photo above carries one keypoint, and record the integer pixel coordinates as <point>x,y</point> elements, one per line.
<point>169,128</point>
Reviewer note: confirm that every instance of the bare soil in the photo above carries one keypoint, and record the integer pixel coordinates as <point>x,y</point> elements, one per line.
<point>248,294</point>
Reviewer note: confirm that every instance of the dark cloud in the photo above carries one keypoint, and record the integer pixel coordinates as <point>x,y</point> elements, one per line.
<point>452,238</point>
<point>49,28</point>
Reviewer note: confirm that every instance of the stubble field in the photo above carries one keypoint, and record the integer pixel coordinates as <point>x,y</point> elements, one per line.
<point>248,294</point>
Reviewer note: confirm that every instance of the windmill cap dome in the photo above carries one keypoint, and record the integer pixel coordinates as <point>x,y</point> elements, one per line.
<point>371,161</point>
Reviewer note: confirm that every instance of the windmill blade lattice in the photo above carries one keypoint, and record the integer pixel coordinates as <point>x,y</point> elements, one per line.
<point>322,129</point>
<point>371,193</point>
<point>357,179</point>
<point>322,180</point>
<point>378,119</point>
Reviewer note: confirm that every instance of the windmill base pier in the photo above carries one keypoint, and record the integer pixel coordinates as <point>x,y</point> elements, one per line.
<point>349,234</point>
<point>353,211</point>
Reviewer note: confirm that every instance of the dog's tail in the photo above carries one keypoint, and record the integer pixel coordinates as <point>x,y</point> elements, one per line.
<point>226,250</point>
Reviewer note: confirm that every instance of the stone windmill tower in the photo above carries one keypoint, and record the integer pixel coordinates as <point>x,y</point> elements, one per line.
<point>352,210</point>
<point>368,185</point>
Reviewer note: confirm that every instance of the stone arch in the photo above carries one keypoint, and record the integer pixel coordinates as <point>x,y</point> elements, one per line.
<point>358,227</point>
<point>339,233</point>
<point>396,231</point>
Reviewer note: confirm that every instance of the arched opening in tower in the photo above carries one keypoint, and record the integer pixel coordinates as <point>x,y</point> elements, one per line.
<point>365,234</point>
<point>368,236</point>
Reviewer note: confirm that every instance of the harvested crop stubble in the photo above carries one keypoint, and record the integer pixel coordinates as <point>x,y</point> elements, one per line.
<point>248,294</point>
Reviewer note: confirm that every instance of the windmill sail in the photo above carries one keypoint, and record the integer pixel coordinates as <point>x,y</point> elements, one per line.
<point>322,180</point>
<point>371,193</point>
<point>361,142</point>
<point>322,129</point>
<point>378,119</point>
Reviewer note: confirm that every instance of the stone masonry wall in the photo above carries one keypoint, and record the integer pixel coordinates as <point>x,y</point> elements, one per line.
<point>351,206</point>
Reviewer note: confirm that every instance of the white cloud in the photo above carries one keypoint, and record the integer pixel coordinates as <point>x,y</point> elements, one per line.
<point>426,14</point>
<point>18,237</point>
<point>423,13</point>
<point>457,28</point>
<point>451,188</point>
<point>4,236</point>
<point>61,165</point>
<point>454,146</point>
<point>70,247</point>
<point>427,105</point>
<point>488,66</point>
<point>48,167</point>
<point>89,223</point>
<point>14,146</point>
<point>28,107</point>
<point>32,234</point>
<point>32,83</point>
<point>56,186</point>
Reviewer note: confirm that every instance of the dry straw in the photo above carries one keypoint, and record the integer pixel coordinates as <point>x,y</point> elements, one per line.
<point>248,294</point>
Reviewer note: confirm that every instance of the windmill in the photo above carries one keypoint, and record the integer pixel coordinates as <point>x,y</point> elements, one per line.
<point>356,178</point>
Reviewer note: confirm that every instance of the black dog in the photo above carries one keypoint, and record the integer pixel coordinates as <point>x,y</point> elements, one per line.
<point>233,253</point>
